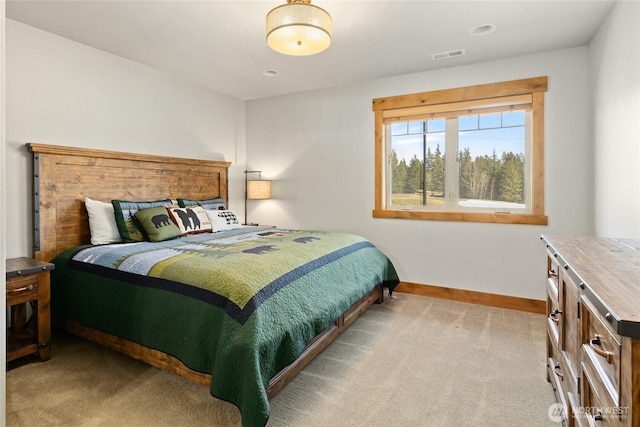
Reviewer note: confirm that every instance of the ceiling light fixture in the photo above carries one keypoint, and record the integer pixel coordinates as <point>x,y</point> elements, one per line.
<point>298,28</point>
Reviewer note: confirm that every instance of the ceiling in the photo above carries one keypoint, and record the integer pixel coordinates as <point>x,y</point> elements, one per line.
<point>221,44</point>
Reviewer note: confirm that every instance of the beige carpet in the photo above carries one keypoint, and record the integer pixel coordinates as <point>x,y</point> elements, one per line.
<point>412,361</point>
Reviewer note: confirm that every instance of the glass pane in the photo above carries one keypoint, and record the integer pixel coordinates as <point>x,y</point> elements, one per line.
<point>416,127</point>
<point>410,152</point>
<point>491,168</point>
<point>435,125</point>
<point>406,169</point>
<point>398,128</point>
<point>515,118</point>
<point>490,121</point>
<point>468,122</point>
<point>435,169</point>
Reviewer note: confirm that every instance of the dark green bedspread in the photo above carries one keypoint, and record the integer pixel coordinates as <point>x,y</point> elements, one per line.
<point>240,305</point>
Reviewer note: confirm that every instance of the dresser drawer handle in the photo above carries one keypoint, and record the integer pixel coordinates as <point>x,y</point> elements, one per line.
<point>22,289</point>
<point>595,344</point>
<point>553,272</point>
<point>554,315</point>
<point>556,370</point>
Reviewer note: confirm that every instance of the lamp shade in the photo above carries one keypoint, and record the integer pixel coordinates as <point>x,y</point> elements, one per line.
<point>258,189</point>
<point>298,28</point>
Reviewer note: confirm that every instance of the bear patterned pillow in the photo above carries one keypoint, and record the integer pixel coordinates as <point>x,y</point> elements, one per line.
<point>157,224</point>
<point>191,220</point>
<point>125,211</point>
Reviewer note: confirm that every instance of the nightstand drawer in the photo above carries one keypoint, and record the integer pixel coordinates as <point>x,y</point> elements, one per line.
<point>21,289</point>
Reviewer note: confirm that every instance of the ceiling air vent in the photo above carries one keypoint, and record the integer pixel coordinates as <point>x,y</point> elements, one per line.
<point>449,54</point>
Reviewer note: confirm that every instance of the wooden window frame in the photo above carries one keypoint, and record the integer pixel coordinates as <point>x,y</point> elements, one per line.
<point>535,87</point>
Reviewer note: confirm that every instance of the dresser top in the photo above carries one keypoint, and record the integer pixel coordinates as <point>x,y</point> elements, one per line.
<point>609,269</point>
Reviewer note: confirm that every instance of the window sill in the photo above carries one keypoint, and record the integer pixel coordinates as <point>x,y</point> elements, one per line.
<point>499,218</point>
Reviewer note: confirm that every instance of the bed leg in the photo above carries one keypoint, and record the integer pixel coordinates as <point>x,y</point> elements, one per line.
<point>380,299</point>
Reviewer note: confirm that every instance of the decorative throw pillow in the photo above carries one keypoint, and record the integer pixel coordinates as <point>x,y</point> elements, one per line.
<point>102,222</point>
<point>125,217</point>
<point>157,224</point>
<point>208,204</point>
<point>229,216</point>
<point>223,220</point>
<point>217,222</point>
<point>190,220</point>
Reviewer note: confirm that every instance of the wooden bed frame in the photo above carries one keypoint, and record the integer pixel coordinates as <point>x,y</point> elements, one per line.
<point>64,176</point>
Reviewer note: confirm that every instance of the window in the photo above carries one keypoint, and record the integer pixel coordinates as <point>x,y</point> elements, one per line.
<point>466,154</point>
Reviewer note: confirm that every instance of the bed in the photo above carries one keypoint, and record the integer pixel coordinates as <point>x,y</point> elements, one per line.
<point>243,325</point>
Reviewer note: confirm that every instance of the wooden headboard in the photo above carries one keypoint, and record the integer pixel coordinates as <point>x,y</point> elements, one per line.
<point>64,176</point>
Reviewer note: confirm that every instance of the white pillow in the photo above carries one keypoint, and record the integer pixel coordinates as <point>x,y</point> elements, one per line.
<point>220,223</point>
<point>102,222</point>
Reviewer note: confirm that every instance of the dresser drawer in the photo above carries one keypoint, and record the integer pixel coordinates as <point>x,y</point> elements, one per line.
<point>553,311</point>
<point>598,407</point>
<point>553,269</point>
<point>21,289</point>
<point>601,349</point>
<point>556,375</point>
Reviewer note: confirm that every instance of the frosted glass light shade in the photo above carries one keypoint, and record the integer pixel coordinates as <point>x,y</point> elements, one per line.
<point>258,189</point>
<point>298,28</point>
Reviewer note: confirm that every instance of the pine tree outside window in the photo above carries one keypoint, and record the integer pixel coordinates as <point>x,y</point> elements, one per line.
<point>467,154</point>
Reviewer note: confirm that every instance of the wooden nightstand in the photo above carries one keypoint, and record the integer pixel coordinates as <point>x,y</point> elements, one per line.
<point>28,283</point>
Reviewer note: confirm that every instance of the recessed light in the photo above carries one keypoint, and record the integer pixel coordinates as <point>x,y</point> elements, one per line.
<point>482,29</point>
<point>270,73</point>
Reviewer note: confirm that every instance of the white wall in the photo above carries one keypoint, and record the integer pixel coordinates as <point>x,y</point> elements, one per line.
<point>64,93</point>
<point>615,70</point>
<point>318,147</point>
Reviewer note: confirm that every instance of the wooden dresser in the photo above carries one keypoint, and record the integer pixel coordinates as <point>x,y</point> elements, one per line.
<point>593,329</point>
